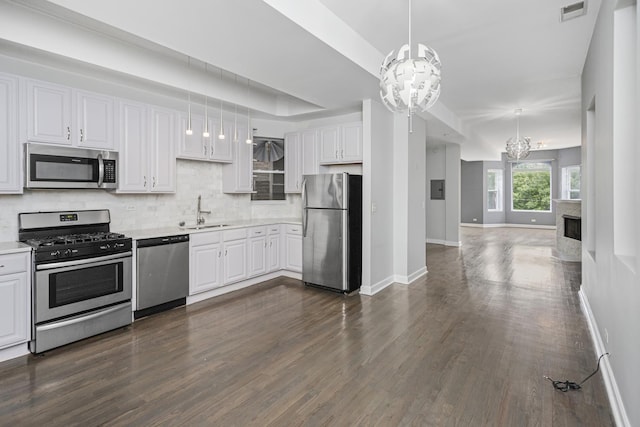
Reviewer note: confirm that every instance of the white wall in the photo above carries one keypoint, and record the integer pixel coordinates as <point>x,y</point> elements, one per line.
<point>443,216</point>
<point>610,283</point>
<point>377,194</point>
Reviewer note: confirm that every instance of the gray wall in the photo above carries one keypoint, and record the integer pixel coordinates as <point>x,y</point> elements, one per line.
<point>471,193</point>
<point>443,216</point>
<point>610,281</point>
<point>474,187</point>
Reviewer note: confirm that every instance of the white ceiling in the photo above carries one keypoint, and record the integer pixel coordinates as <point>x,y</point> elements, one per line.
<point>324,55</point>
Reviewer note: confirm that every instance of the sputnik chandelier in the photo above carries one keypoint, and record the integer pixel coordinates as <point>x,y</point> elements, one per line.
<point>518,148</point>
<point>410,84</point>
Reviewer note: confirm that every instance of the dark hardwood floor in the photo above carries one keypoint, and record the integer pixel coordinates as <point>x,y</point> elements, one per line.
<point>467,345</point>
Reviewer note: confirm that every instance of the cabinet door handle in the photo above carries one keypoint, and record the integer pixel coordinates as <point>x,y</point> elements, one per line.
<point>145,181</point>
<point>225,252</point>
<point>81,135</point>
<point>154,182</point>
<point>265,244</point>
<point>336,154</point>
<point>342,154</point>
<point>219,254</point>
<point>1,266</point>
<point>68,133</point>
<point>270,244</point>
<point>204,147</point>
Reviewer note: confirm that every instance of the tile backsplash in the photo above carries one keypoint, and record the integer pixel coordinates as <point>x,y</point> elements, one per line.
<point>144,211</point>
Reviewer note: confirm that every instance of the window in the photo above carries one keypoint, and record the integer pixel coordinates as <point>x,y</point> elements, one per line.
<point>571,183</point>
<point>531,186</point>
<point>494,190</point>
<point>268,169</point>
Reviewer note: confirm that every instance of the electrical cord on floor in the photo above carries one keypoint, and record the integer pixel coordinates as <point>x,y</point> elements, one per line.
<point>567,385</point>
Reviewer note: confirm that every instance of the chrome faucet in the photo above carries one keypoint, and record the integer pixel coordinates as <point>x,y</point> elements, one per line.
<point>199,212</point>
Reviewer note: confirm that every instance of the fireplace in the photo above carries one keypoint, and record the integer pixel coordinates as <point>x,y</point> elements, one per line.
<point>572,227</point>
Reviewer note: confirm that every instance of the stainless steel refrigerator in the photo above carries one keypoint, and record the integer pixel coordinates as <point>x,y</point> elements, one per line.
<point>332,231</point>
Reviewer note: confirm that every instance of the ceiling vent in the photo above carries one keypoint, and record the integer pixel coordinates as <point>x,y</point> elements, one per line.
<point>574,10</point>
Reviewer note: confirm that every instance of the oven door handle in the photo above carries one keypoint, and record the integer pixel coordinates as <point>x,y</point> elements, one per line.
<point>79,319</point>
<point>82,261</point>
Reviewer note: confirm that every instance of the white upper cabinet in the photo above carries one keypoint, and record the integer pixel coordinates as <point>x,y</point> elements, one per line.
<point>163,156</point>
<point>292,160</point>
<point>48,113</point>
<point>10,164</point>
<point>341,143</point>
<point>351,142</point>
<point>147,155</point>
<point>52,118</point>
<point>194,146</point>
<point>199,147</point>
<point>301,158</point>
<point>237,177</point>
<point>94,121</point>
<point>309,158</point>
<point>133,162</point>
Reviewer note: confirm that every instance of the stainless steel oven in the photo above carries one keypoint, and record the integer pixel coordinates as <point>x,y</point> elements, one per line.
<point>82,276</point>
<point>69,287</point>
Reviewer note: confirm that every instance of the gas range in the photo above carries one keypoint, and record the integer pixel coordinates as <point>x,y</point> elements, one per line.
<point>70,235</point>
<point>78,246</point>
<point>81,276</point>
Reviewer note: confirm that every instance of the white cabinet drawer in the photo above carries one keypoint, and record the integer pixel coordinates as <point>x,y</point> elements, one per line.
<point>257,231</point>
<point>198,239</point>
<point>273,229</point>
<point>14,263</point>
<point>240,233</point>
<point>294,229</point>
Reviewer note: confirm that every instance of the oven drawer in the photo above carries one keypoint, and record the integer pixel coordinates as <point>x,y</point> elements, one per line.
<point>55,334</point>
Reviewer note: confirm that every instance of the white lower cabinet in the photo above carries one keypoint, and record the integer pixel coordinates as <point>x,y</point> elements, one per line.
<point>219,258</point>
<point>273,248</point>
<point>205,262</point>
<point>14,299</point>
<point>293,248</point>
<point>257,251</point>
<point>235,255</point>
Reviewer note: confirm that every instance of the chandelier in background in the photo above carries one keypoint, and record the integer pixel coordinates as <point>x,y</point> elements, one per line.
<point>410,84</point>
<point>518,148</point>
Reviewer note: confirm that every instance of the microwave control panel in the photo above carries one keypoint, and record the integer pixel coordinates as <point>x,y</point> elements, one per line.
<point>110,171</point>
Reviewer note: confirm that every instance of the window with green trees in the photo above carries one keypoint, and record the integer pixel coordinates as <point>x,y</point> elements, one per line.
<point>531,186</point>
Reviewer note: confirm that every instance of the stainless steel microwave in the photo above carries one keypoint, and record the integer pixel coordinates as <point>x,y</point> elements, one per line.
<point>49,166</point>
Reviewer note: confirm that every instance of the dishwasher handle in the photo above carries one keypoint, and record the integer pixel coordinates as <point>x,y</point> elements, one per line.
<point>165,240</point>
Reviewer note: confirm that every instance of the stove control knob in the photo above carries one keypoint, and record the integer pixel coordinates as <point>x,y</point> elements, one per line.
<point>67,252</point>
<point>55,254</point>
<point>105,247</point>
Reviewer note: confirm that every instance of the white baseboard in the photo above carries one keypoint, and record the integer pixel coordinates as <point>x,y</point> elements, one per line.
<point>241,285</point>
<point>615,400</point>
<point>544,227</point>
<point>444,242</point>
<point>376,287</point>
<point>405,280</point>
<point>13,352</point>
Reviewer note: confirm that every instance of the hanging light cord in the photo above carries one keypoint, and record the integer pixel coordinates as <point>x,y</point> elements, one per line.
<point>567,385</point>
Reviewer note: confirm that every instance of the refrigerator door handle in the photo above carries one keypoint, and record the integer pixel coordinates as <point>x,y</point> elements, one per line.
<point>305,212</point>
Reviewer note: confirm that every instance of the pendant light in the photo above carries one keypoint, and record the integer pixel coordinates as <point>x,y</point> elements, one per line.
<point>235,113</point>
<point>518,148</point>
<point>410,84</point>
<point>189,130</point>
<point>205,133</point>
<point>249,129</point>
<point>221,134</point>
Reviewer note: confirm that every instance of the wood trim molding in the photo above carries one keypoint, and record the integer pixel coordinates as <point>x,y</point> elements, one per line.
<point>615,400</point>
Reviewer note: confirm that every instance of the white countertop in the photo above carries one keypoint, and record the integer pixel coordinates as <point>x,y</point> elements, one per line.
<point>13,247</point>
<point>148,233</point>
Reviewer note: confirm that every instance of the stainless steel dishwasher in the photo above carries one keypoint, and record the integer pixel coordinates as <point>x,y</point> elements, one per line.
<point>162,274</point>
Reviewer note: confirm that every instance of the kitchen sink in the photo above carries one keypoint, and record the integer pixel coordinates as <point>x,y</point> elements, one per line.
<point>204,226</point>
